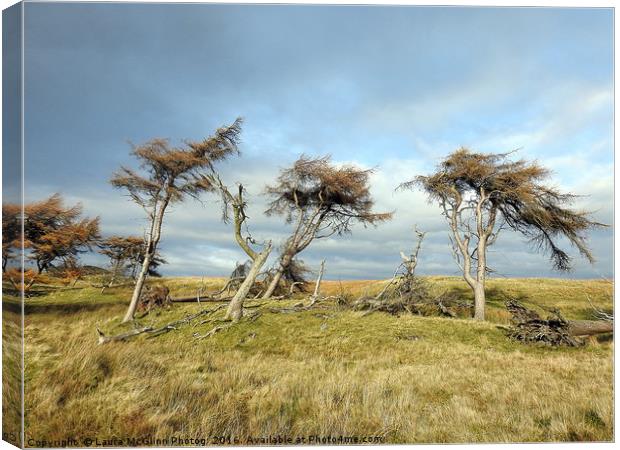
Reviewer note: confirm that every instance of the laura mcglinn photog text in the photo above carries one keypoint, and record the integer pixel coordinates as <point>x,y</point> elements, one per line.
<point>178,441</point>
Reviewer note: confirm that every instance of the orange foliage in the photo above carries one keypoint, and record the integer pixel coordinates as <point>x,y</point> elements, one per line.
<point>53,231</point>
<point>14,275</point>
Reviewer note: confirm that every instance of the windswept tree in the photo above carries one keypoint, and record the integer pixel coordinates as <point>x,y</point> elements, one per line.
<point>236,204</point>
<point>11,232</point>
<point>137,259</point>
<point>481,194</point>
<point>169,175</point>
<point>54,232</point>
<point>120,250</point>
<point>319,199</point>
<point>126,254</point>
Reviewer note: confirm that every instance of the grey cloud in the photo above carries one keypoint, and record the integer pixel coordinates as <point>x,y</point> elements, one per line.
<point>395,88</point>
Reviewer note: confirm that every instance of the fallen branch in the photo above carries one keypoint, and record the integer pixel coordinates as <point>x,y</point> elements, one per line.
<point>217,329</point>
<point>200,299</point>
<point>103,339</point>
<point>213,331</point>
<point>111,286</point>
<point>599,313</point>
<point>299,307</point>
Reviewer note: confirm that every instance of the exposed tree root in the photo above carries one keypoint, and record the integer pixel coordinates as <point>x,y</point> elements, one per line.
<point>157,296</point>
<point>409,295</point>
<point>555,330</point>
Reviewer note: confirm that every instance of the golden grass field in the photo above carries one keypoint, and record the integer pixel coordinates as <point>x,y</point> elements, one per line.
<point>327,372</point>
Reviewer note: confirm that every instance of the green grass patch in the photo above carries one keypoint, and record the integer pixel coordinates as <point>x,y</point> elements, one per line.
<point>327,371</point>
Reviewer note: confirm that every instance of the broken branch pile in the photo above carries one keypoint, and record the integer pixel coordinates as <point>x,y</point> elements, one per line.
<point>410,295</point>
<point>407,293</point>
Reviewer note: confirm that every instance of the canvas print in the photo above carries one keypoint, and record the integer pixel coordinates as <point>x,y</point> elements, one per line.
<point>239,225</point>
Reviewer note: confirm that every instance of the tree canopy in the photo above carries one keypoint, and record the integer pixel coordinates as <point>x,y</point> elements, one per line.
<point>518,192</point>
<point>11,231</point>
<point>322,199</point>
<point>172,173</point>
<point>54,231</point>
<point>328,197</point>
<point>169,175</point>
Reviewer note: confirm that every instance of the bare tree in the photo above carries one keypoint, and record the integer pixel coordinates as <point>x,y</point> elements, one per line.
<point>411,262</point>
<point>119,250</point>
<point>320,199</point>
<point>237,204</point>
<point>317,286</point>
<point>481,194</point>
<point>171,174</point>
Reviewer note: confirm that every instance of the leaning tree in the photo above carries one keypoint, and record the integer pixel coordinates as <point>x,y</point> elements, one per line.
<point>320,199</point>
<point>171,174</point>
<point>481,194</point>
<point>235,203</point>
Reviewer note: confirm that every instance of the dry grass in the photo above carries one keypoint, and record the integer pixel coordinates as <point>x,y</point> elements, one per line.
<point>11,376</point>
<point>329,372</point>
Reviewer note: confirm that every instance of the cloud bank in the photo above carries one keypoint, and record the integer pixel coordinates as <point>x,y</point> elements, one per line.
<point>392,88</point>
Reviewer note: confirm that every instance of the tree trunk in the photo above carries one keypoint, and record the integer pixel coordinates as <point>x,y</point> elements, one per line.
<point>589,327</point>
<point>115,271</point>
<point>479,301</point>
<point>317,286</point>
<point>284,262</point>
<point>481,267</point>
<point>138,289</point>
<point>151,248</point>
<point>235,307</point>
<point>274,283</point>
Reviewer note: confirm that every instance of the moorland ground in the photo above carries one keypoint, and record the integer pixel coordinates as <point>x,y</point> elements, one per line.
<point>327,372</point>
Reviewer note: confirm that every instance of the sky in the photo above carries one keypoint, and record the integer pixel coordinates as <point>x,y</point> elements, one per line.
<point>390,88</point>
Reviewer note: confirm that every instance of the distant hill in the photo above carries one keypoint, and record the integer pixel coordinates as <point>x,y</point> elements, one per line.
<point>88,270</point>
